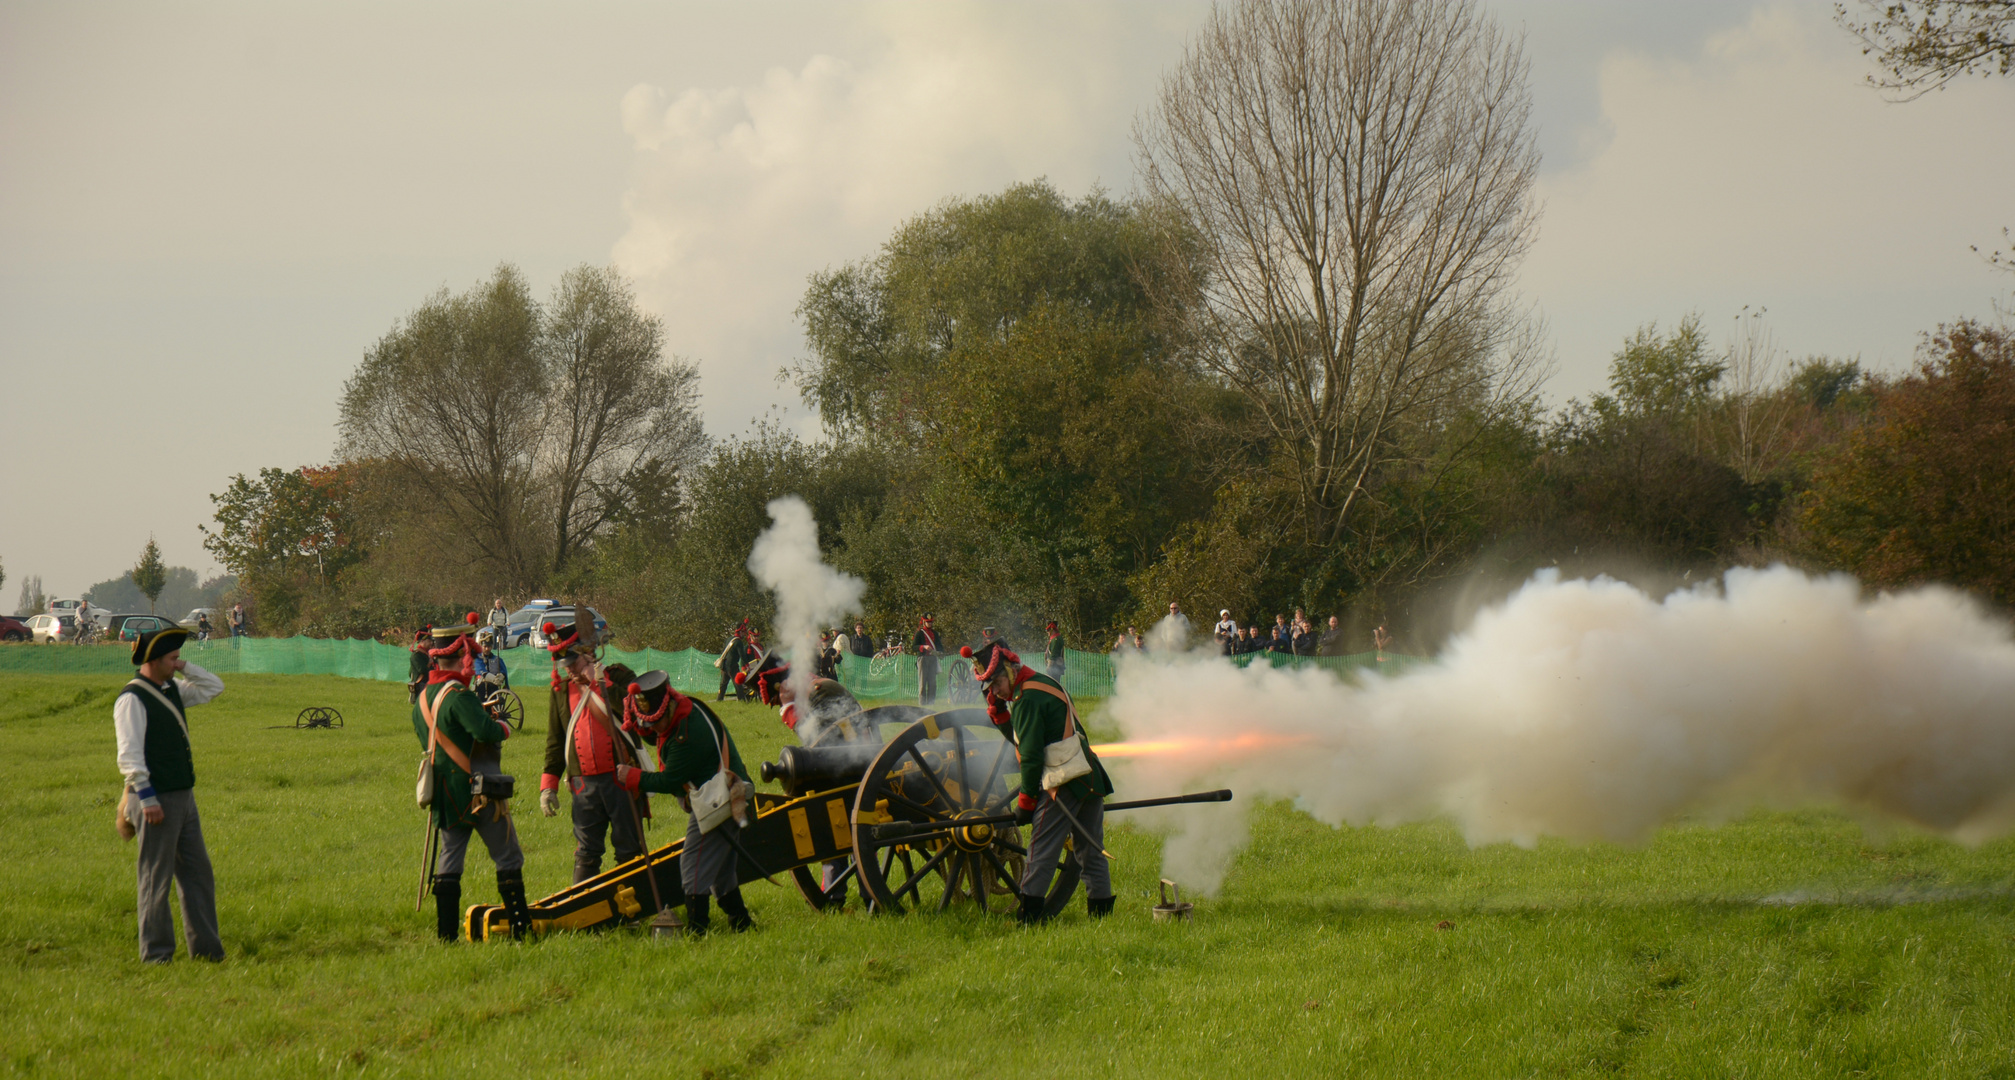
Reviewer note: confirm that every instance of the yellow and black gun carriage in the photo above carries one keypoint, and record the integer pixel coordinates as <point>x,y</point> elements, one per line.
<point>926,818</point>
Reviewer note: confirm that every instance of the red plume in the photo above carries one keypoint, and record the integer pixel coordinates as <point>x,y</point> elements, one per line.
<point>471,620</point>
<point>549,629</point>
<point>741,678</point>
<point>966,651</point>
<point>635,689</point>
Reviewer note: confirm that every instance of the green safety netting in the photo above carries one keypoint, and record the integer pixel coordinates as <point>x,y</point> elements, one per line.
<point>1086,675</point>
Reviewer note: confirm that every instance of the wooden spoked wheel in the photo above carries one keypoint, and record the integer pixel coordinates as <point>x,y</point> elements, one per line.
<point>506,708</point>
<point>318,716</point>
<point>945,767</point>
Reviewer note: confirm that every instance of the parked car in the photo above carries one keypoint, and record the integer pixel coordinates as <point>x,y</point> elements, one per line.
<point>129,627</point>
<point>53,628</point>
<point>13,629</point>
<point>518,629</point>
<point>564,616</point>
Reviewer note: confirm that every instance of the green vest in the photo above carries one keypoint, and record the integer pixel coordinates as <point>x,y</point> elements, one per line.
<point>170,764</point>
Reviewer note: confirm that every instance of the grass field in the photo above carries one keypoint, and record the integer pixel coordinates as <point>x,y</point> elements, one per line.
<point>1782,945</point>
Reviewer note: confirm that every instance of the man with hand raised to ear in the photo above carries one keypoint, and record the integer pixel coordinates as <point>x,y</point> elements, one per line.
<point>149,720</point>
<point>1034,710</point>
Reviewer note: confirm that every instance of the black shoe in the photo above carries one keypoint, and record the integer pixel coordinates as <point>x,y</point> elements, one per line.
<point>736,911</point>
<point>696,914</point>
<point>511,886</point>
<point>1098,907</point>
<point>583,869</point>
<point>448,906</point>
<point>1032,913</point>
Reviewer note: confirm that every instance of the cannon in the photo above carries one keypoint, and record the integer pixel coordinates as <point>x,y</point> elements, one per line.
<point>925,816</point>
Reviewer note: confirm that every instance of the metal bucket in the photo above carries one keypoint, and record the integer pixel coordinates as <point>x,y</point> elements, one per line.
<point>1172,910</point>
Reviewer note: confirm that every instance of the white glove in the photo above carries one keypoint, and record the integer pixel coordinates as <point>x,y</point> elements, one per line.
<point>549,802</point>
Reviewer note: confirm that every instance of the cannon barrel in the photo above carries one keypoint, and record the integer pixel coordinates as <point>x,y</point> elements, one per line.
<point>802,769</point>
<point>905,830</point>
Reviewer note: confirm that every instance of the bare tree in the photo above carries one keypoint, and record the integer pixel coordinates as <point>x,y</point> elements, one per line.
<point>1358,173</point>
<point>617,414</point>
<point>451,400</point>
<point>1757,412</point>
<point>1924,44</point>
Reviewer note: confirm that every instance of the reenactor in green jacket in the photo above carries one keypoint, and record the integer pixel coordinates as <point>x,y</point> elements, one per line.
<point>690,741</point>
<point>466,740</point>
<point>828,716</point>
<point>1037,714</point>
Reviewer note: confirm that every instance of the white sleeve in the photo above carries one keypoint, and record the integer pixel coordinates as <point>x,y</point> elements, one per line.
<point>129,724</point>
<point>197,685</point>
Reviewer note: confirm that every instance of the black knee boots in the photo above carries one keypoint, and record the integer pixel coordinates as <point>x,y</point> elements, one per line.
<point>448,906</point>
<point>736,911</point>
<point>511,887</point>
<point>586,868</point>
<point>696,914</point>
<point>1031,913</point>
<point>1098,907</point>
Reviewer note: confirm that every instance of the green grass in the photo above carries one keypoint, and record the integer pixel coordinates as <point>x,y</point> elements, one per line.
<point>1780,945</point>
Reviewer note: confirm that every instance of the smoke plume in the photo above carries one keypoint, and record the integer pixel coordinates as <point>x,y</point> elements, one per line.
<point>810,594</point>
<point>1591,711</point>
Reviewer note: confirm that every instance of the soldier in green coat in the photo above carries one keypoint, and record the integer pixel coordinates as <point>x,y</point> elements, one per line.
<point>466,739</point>
<point>690,739</point>
<point>1037,712</point>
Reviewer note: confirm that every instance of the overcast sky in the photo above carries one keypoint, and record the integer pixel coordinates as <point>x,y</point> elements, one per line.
<point>209,211</point>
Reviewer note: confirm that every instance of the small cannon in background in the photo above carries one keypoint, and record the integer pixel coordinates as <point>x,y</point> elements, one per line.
<point>927,817</point>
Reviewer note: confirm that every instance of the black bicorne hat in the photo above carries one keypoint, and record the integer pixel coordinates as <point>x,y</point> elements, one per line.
<point>155,644</point>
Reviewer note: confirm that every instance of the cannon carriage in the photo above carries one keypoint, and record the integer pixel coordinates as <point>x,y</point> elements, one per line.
<point>924,816</point>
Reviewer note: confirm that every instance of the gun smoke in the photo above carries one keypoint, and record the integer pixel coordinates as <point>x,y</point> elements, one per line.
<point>1589,710</point>
<point>809,594</point>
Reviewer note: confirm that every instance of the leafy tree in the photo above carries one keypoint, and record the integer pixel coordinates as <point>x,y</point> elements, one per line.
<point>179,594</point>
<point>3,575</point>
<point>1926,490</point>
<point>450,401</point>
<point>510,435</point>
<point>1923,44</point>
<point>621,423</point>
<point>1005,365</point>
<point>1823,383</point>
<point>150,575</point>
<point>286,522</point>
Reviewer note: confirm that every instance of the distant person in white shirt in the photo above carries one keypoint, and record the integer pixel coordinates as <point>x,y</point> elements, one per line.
<point>159,768</point>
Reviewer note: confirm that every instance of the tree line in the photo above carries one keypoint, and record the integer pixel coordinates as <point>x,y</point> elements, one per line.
<point>1290,372</point>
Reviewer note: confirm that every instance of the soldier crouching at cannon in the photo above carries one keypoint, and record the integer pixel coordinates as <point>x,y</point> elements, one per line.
<point>698,763</point>
<point>830,717</point>
<point>584,746</point>
<point>464,741</point>
<point>1063,786</point>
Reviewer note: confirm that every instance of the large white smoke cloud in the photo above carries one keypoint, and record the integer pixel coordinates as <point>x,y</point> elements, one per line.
<point>1591,711</point>
<point>810,594</point>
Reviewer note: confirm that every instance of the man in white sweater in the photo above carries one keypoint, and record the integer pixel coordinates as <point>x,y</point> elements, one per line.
<point>160,771</point>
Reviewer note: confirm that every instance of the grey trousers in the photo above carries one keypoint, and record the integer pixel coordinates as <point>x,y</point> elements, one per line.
<point>707,864</point>
<point>602,809</point>
<point>1045,846</point>
<point>927,685</point>
<point>498,834</point>
<point>173,851</point>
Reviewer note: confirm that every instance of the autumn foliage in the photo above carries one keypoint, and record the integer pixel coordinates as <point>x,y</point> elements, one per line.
<point>1926,492</point>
